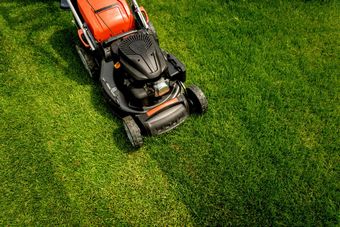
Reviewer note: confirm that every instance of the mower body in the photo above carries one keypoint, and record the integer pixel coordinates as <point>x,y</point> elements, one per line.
<point>106,18</point>
<point>143,83</point>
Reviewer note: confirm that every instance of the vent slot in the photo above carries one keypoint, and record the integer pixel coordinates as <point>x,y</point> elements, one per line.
<point>125,46</point>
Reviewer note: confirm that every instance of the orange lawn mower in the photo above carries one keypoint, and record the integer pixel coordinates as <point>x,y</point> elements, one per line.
<point>143,83</point>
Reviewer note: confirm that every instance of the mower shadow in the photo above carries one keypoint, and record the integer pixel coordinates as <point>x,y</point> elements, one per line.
<point>63,42</point>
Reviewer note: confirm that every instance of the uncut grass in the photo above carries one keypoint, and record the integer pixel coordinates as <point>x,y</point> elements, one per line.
<point>267,152</point>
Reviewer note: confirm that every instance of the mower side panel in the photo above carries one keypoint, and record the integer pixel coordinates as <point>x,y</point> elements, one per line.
<point>106,18</point>
<point>111,93</point>
<point>176,68</point>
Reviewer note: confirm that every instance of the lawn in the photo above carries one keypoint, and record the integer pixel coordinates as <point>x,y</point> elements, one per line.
<point>266,153</point>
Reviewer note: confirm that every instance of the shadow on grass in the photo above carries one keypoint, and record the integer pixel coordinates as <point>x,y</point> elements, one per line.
<point>63,42</point>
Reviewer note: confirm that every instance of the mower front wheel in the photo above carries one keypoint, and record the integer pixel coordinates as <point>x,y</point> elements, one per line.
<point>197,100</point>
<point>133,132</point>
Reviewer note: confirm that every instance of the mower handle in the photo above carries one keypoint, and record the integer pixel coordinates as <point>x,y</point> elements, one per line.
<point>139,13</point>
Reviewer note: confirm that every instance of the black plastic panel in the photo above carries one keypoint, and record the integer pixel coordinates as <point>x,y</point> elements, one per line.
<point>141,57</point>
<point>176,68</point>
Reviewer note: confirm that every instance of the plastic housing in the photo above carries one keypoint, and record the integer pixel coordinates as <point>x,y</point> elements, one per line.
<point>106,18</point>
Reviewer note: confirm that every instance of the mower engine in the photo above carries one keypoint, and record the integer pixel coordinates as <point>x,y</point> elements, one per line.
<point>145,66</point>
<point>147,93</point>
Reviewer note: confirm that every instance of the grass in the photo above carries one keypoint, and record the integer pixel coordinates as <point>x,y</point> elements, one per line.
<point>266,153</point>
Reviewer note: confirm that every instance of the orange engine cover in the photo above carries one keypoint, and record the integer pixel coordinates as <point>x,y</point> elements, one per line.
<point>106,18</point>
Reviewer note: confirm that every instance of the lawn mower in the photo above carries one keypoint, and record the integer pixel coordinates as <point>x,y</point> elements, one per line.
<point>143,83</point>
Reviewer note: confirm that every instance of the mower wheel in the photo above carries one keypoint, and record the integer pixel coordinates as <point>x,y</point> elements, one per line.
<point>197,100</point>
<point>88,62</point>
<point>133,132</point>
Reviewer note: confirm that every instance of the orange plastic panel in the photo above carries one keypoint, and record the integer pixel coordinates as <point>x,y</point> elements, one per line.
<point>106,18</point>
<point>162,106</point>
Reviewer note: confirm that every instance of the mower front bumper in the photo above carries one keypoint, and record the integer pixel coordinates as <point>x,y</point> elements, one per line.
<point>165,117</point>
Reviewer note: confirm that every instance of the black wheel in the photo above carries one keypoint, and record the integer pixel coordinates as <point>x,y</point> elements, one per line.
<point>133,132</point>
<point>197,100</point>
<point>89,62</point>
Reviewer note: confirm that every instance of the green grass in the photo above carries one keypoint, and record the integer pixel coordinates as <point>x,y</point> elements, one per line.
<point>266,153</point>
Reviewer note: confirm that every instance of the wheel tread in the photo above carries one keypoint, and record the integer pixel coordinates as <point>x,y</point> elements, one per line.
<point>201,101</point>
<point>132,128</point>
